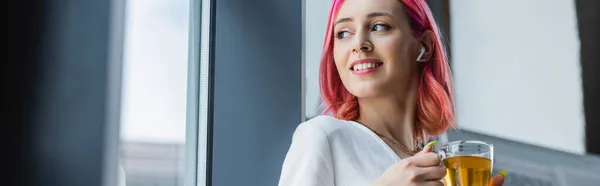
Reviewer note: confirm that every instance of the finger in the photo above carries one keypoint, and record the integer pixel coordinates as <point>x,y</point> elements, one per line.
<point>428,147</point>
<point>434,173</point>
<point>498,180</point>
<point>433,183</point>
<point>425,159</point>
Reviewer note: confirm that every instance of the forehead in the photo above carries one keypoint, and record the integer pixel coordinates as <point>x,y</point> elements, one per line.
<point>361,8</point>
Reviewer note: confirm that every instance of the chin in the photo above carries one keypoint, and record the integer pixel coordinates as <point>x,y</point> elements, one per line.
<point>366,91</point>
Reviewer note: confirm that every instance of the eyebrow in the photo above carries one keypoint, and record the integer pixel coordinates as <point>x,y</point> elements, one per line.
<point>371,15</point>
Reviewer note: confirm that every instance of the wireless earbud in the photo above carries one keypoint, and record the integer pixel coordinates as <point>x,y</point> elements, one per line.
<point>421,53</point>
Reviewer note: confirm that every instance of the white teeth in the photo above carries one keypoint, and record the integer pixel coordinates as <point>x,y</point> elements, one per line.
<point>364,66</point>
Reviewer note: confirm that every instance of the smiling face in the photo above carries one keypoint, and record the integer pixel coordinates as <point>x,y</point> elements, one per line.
<point>374,48</point>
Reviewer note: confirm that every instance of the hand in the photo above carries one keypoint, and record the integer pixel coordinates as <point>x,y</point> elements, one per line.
<point>498,180</point>
<point>422,169</point>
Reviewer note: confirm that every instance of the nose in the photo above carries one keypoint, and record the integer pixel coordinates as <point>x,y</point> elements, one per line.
<point>362,45</point>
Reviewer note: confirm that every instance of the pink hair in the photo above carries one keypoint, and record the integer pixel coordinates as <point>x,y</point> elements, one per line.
<point>435,107</point>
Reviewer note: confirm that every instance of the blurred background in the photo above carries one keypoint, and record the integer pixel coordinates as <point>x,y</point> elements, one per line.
<point>153,112</point>
<point>185,92</point>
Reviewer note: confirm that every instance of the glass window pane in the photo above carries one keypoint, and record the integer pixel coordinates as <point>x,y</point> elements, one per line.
<point>153,118</point>
<point>314,31</point>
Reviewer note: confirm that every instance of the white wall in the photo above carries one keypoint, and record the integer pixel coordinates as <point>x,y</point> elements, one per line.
<point>316,22</point>
<point>517,71</point>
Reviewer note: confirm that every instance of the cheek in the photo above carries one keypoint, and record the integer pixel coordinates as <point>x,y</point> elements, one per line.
<point>340,56</point>
<point>396,51</point>
<point>392,49</point>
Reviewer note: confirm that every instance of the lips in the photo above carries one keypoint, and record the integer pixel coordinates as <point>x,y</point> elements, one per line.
<point>365,66</point>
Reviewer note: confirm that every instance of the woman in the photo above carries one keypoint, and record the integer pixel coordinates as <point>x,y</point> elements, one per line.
<point>385,80</point>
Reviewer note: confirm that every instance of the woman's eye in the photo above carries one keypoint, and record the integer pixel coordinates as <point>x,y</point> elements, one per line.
<point>380,27</point>
<point>342,34</point>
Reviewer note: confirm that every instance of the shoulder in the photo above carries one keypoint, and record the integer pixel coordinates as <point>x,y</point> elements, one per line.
<point>318,130</point>
<point>324,124</point>
<point>309,160</point>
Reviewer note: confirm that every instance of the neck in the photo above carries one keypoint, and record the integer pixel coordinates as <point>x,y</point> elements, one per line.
<point>391,117</point>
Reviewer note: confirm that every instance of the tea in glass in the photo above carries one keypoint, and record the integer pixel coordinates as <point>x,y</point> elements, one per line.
<point>468,163</point>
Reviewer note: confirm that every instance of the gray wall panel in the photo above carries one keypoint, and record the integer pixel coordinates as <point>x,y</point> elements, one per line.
<point>257,89</point>
<point>71,132</point>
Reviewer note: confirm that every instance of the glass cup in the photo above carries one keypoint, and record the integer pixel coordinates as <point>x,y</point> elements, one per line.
<point>468,163</point>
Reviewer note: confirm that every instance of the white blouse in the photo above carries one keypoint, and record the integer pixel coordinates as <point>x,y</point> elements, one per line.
<point>326,151</point>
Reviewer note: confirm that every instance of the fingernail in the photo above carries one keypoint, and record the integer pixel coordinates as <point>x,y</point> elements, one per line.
<point>430,144</point>
<point>503,173</point>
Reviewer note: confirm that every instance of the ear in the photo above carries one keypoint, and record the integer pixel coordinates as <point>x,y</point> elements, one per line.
<point>426,41</point>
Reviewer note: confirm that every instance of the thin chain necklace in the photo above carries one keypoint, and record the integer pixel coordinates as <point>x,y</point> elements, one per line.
<point>410,152</point>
